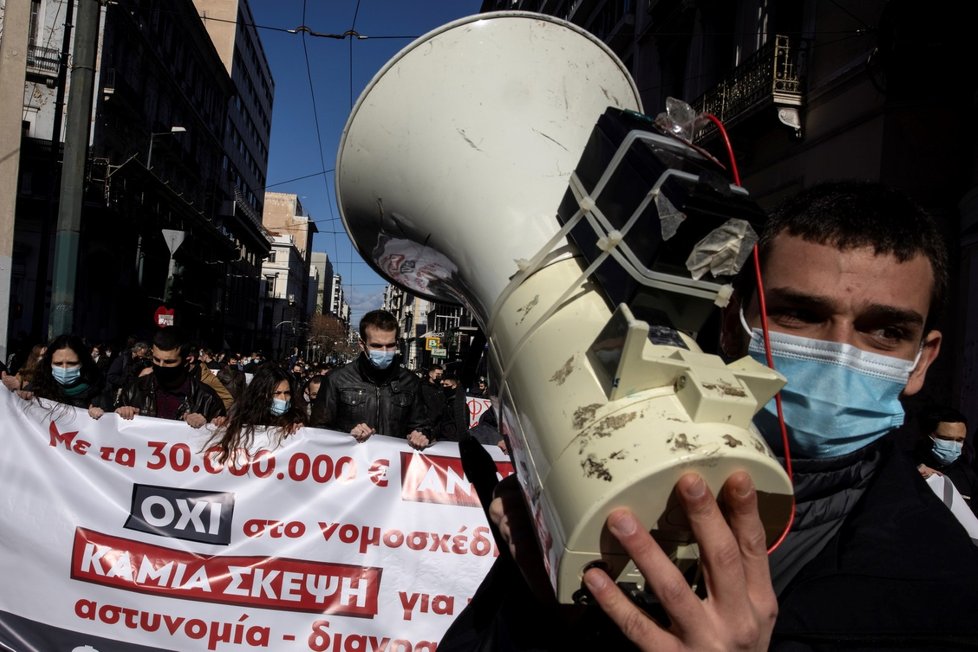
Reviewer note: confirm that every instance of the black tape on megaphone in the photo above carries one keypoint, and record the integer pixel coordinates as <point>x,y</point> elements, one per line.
<point>706,202</point>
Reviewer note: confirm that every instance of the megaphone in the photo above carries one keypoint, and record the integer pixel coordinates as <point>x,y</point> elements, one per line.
<point>491,163</point>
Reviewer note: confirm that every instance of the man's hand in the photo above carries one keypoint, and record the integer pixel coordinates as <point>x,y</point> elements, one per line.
<point>418,440</point>
<point>194,419</point>
<point>926,471</point>
<point>361,432</point>
<point>95,412</point>
<point>740,608</point>
<point>127,412</point>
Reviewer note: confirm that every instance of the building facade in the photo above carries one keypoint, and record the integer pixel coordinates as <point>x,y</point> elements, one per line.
<point>283,321</point>
<point>337,304</point>
<point>431,333</point>
<point>286,273</point>
<point>244,165</point>
<point>155,167</point>
<point>322,270</point>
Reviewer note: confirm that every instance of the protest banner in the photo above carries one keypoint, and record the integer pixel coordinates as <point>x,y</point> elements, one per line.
<point>122,535</point>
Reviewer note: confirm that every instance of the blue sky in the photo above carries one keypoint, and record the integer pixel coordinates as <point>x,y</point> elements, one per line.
<point>325,91</point>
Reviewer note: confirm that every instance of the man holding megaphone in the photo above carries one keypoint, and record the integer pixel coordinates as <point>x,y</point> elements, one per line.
<point>855,277</point>
<point>505,162</point>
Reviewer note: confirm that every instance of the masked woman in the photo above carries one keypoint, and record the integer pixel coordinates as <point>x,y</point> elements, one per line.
<point>66,374</point>
<point>266,402</point>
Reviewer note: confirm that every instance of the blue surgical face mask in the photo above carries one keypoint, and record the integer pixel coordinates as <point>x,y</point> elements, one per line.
<point>381,359</point>
<point>279,406</point>
<point>947,451</point>
<point>66,375</point>
<point>838,398</point>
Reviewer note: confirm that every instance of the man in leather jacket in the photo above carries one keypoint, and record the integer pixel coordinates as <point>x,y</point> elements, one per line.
<point>172,391</point>
<point>374,394</point>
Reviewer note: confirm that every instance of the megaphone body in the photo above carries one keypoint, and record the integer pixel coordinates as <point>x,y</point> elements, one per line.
<point>450,173</point>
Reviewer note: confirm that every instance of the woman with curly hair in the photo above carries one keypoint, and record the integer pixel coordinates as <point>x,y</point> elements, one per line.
<point>266,401</point>
<point>66,374</point>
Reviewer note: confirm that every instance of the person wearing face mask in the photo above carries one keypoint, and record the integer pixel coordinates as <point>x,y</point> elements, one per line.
<point>66,374</point>
<point>266,402</point>
<point>944,449</point>
<point>374,394</point>
<point>311,391</point>
<point>855,276</point>
<point>172,391</point>
<point>454,421</point>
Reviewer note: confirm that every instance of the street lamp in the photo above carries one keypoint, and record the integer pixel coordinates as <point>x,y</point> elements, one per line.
<point>173,130</point>
<point>281,333</point>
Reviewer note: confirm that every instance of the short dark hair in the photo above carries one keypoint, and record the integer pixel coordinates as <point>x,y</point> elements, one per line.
<point>169,338</point>
<point>932,416</point>
<point>382,320</point>
<point>852,214</point>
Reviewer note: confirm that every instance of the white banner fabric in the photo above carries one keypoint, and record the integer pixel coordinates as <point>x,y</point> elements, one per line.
<point>476,406</point>
<point>121,535</point>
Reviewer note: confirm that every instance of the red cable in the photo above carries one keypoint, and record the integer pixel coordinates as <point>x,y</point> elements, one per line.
<point>762,305</point>
<point>726,141</point>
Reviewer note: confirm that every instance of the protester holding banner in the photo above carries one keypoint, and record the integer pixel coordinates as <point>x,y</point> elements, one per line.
<point>66,374</point>
<point>374,394</point>
<point>171,391</point>
<point>266,403</point>
<point>454,420</point>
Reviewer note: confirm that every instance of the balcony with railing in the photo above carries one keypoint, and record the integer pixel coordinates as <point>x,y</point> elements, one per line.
<point>43,63</point>
<point>769,77</point>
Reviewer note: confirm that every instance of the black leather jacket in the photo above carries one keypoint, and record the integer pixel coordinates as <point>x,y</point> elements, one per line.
<point>142,394</point>
<point>389,400</point>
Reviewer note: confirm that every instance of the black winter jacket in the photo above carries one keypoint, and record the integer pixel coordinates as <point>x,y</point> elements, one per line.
<point>894,570</point>
<point>388,400</point>
<point>201,399</point>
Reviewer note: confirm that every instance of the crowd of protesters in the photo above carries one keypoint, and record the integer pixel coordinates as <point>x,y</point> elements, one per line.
<point>168,376</point>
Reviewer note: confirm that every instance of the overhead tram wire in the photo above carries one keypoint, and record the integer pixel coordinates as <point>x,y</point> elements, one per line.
<point>352,30</point>
<point>315,114</point>
<point>302,30</point>
<point>305,176</point>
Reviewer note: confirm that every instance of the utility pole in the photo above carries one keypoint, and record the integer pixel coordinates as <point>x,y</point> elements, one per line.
<point>38,326</point>
<point>78,127</point>
<point>13,71</point>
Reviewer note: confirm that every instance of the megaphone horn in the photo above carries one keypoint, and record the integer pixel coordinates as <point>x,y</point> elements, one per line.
<point>489,163</point>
